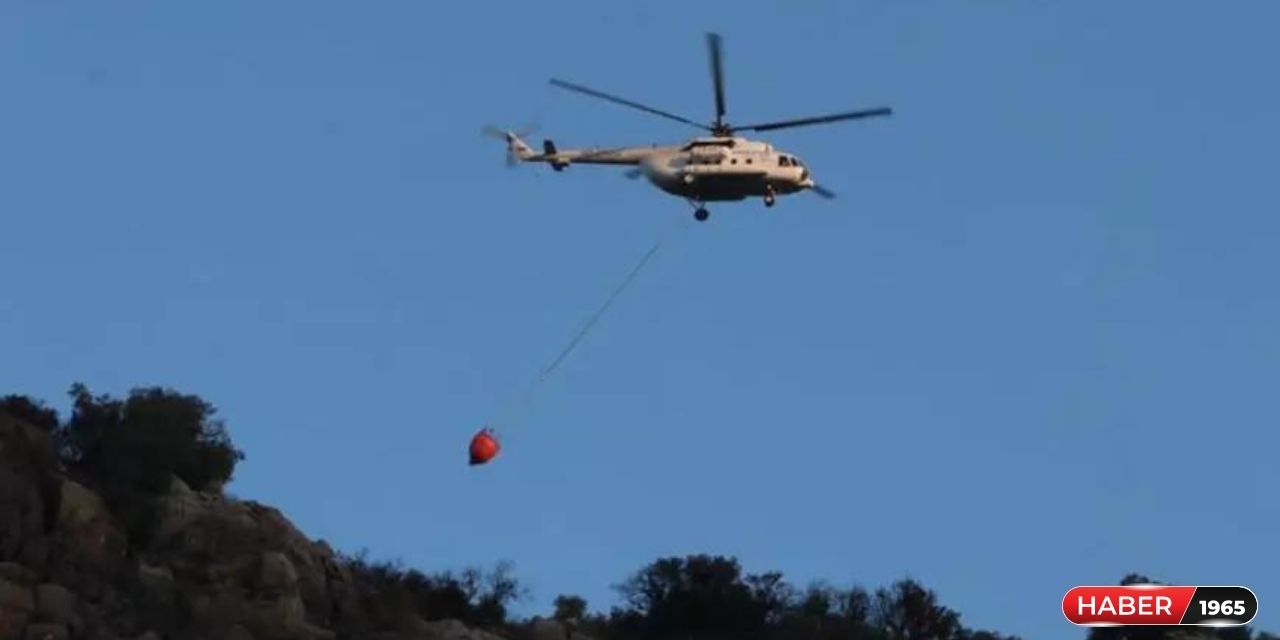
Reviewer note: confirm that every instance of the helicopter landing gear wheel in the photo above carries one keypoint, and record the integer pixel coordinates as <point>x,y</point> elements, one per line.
<point>701,214</point>
<point>769,198</point>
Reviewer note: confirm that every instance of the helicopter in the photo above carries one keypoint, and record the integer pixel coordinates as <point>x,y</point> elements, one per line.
<point>720,167</point>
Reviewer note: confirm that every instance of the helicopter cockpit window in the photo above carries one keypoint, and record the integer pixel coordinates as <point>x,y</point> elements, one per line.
<point>783,162</point>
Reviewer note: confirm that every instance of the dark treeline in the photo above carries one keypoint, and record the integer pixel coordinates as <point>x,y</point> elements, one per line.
<point>710,597</point>
<point>700,596</point>
<point>130,449</point>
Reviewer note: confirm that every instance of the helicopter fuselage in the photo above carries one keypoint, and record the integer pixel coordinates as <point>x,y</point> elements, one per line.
<point>701,170</point>
<point>720,169</point>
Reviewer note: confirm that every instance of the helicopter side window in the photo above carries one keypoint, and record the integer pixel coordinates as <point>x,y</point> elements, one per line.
<point>783,162</point>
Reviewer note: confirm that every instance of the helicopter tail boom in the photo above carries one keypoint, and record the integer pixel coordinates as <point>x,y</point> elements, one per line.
<point>519,151</point>
<point>518,148</point>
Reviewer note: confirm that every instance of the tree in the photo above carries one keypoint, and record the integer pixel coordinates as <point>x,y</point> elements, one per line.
<point>131,449</point>
<point>771,595</point>
<point>394,596</point>
<point>1136,578</point>
<point>855,604</point>
<point>819,601</point>
<point>32,412</point>
<point>824,612</point>
<point>984,635</point>
<point>140,443</point>
<point>497,589</point>
<point>908,611</point>
<point>570,608</point>
<point>701,596</point>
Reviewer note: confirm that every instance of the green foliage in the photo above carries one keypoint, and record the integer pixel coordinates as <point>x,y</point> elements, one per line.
<point>711,598</point>
<point>130,450</point>
<point>570,608</point>
<point>32,412</point>
<point>393,595</point>
<point>138,444</point>
<point>493,591</point>
<point>707,596</point>
<point>908,610</point>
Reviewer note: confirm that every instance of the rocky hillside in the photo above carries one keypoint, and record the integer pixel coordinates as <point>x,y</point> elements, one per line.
<point>113,526</point>
<point>212,566</point>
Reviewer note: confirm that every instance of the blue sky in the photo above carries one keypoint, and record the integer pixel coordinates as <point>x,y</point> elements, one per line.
<point>1033,344</point>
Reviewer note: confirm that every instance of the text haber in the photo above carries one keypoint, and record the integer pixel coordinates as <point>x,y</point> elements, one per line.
<point>1144,605</point>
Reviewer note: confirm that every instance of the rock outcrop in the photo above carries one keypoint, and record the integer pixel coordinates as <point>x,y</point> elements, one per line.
<point>209,567</point>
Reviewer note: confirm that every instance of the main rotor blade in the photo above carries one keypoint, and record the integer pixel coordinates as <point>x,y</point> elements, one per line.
<point>835,117</point>
<point>823,191</point>
<point>627,103</point>
<point>717,73</point>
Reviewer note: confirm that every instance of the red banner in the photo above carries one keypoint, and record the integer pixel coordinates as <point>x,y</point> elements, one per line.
<point>1132,604</point>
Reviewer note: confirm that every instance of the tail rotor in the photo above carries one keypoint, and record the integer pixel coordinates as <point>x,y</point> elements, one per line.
<point>514,140</point>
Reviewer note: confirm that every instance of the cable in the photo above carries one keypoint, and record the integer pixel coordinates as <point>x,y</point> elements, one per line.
<point>586,327</point>
<point>595,317</point>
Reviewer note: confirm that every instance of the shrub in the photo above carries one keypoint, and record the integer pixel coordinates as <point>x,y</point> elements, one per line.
<point>140,443</point>
<point>391,594</point>
<point>570,608</point>
<point>32,412</point>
